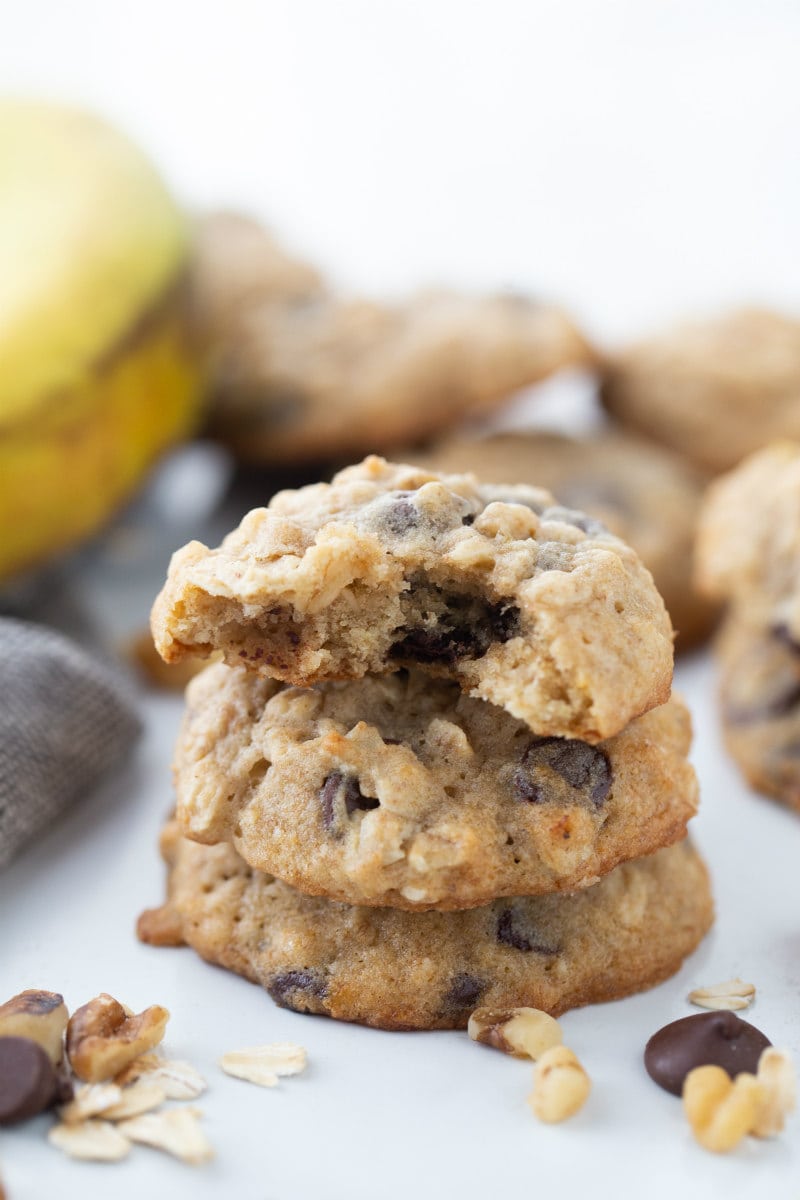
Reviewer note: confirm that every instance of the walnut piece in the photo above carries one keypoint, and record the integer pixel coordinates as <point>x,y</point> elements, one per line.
<point>778,1080</point>
<point>733,994</point>
<point>39,1016</point>
<point>103,1037</point>
<point>521,1032</point>
<point>721,1110</point>
<point>561,1086</point>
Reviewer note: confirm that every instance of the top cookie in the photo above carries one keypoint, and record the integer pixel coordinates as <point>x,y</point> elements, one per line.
<point>646,495</point>
<point>305,374</point>
<point>715,390</point>
<point>534,607</point>
<point>748,541</point>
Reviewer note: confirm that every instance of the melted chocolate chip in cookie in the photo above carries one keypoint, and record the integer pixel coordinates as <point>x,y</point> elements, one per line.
<point>400,516</point>
<point>340,796</point>
<point>301,991</point>
<point>515,929</point>
<point>585,768</point>
<point>453,626</point>
<point>463,994</point>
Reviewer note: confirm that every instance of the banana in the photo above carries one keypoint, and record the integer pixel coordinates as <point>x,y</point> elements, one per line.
<point>98,373</point>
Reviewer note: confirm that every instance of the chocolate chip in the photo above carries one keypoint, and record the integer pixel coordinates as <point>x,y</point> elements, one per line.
<point>572,516</point>
<point>585,768</point>
<point>708,1039</point>
<point>460,626</point>
<point>515,929</point>
<point>400,516</point>
<point>463,994</point>
<point>301,991</point>
<point>469,519</point>
<point>783,698</point>
<point>782,634</point>
<point>340,795</point>
<point>27,1080</point>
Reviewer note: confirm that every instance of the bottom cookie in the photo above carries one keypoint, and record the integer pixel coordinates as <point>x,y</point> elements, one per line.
<point>398,970</point>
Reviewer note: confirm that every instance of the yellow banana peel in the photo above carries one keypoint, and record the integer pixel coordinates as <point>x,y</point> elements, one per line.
<point>98,371</point>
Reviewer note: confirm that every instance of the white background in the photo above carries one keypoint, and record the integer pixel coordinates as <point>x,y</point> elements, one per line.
<point>638,161</point>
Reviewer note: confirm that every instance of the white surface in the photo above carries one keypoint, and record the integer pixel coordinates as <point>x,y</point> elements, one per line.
<point>637,160</point>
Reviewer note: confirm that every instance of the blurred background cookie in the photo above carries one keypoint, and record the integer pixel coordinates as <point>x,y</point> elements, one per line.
<point>644,494</point>
<point>303,373</point>
<point>760,704</point>
<point>714,390</point>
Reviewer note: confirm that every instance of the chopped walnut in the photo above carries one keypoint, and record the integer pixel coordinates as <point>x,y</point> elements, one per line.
<point>721,1110</point>
<point>561,1086</point>
<point>522,1032</point>
<point>102,1037</point>
<point>39,1016</point>
<point>778,1080</point>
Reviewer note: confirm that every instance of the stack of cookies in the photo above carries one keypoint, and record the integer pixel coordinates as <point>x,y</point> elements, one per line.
<point>438,765</point>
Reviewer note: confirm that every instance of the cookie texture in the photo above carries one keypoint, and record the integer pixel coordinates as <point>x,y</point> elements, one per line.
<point>714,390</point>
<point>748,544</point>
<point>643,493</point>
<point>399,790</point>
<point>760,702</point>
<point>398,970</point>
<point>306,374</point>
<point>534,607</point>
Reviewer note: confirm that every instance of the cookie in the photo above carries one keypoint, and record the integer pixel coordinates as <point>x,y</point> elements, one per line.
<point>304,374</point>
<point>646,495</point>
<point>399,790</point>
<point>531,606</point>
<point>714,390</point>
<point>399,970</point>
<point>748,541</point>
<point>760,702</point>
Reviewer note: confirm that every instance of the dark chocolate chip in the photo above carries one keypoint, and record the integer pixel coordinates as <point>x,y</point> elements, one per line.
<point>469,519</point>
<point>27,1080</point>
<point>572,516</point>
<point>301,991</point>
<point>784,699</point>
<point>717,1038</point>
<point>463,994</point>
<point>515,929</point>
<point>466,629</point>
<point>585,768</point>
<point>340,791</point>
<point>401,515</point>
<point>782,634</point>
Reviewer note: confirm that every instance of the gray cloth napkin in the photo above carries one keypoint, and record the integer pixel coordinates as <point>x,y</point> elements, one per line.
<point>65,720</point>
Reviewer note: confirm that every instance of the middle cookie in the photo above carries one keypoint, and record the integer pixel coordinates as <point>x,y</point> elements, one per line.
<point>399,790</point>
